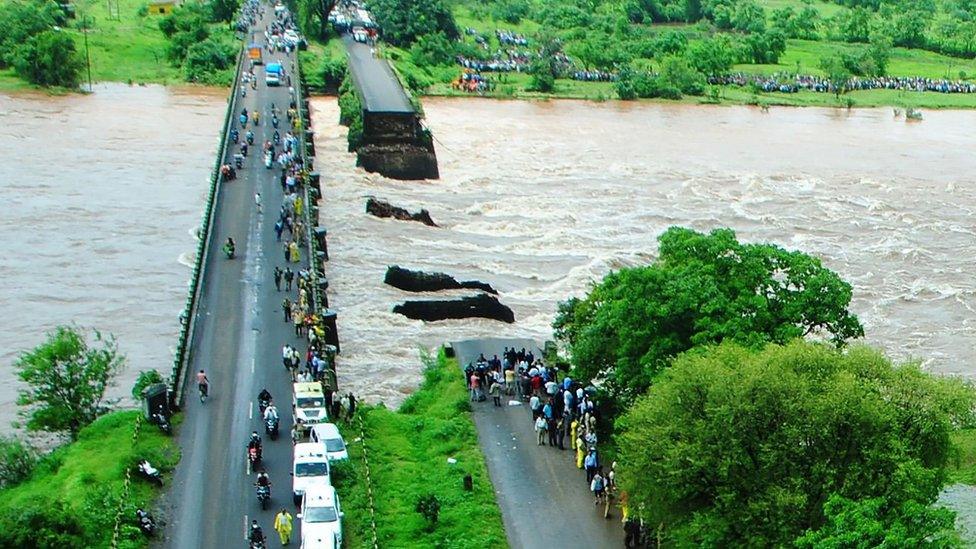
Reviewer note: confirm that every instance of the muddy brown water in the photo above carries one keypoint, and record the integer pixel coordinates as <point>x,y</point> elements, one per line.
<point>542,198</point>
<point>101,194</point>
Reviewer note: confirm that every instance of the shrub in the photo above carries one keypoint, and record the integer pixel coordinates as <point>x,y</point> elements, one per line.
<point>205,58</point>
<point>49,59</point>
<point>17,461</point>
<point>145,379</point>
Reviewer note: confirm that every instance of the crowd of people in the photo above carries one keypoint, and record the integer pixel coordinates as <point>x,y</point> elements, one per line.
<point>560,409</point>
<point>473,82</point>
<point>508,61</point>
<point>509,38</point>
<point>594,76</point>
<point>789,83</point>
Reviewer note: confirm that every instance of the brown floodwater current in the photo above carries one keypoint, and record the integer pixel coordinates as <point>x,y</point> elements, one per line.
<point>540,199</point>
<point>100,196</point>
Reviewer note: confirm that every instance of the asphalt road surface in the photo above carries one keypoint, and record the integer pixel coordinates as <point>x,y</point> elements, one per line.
<point>241,330</point>
<point>544,498</point>
<point>380,88</point>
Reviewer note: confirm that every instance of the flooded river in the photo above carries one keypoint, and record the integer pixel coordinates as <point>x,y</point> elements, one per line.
<point>100,194</point>
<point>540,199</point>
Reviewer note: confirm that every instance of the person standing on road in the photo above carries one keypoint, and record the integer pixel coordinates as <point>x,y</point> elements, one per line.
<point>287,253</point>
<point>540,430</point>
<point>282,525</point>
<point>590,463</point>
<point>289,277</point>
<point>293,251</point>
<point>495,390</point>
<point>257,201</point>
<point>475,387</point>
<point>286,307</point>
<point>277,277</point>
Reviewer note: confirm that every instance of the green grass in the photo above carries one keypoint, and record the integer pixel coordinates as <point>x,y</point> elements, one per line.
<point>408,452</point>
<point>313,57</point>
<point>963,468</point>
<point>131,49</point>
<point>87,476</point>
<point>825,9</point>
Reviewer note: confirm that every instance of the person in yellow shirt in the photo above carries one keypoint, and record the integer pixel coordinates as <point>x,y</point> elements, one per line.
<point>282,525</point>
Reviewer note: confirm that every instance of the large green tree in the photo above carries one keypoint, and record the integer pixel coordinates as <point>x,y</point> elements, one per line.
<point>704,288</point>
<point>49,59</point>
<point>404,21</point>
<point>66,380</point>
<point>733,447</point>
<point>20,20</point>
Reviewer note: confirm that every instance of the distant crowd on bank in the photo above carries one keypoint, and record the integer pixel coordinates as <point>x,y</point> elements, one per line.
<point>788,83</point>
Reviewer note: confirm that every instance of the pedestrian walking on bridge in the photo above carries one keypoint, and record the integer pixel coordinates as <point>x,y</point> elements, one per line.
<point>282,525</point>
<point>286,307</point>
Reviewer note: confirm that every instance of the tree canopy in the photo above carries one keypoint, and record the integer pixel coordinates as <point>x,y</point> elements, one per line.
<point>404,21</point>
<point>704,288</point>
<point>66,380</point>
<point>733,447</point>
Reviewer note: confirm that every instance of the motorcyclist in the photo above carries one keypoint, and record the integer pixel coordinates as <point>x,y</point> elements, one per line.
<point>243,149</point>
<point>256,534</point>
<point>276,137</point>
<point>235,135</point>
<point>264,397</point>
<point>263,481</point>
<point>271,412</point>
<point>249,136</point>
<point>229,248</point>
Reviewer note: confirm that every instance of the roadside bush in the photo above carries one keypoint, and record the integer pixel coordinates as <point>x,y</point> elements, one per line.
<point>766,47</point>
<point>17,461</point>
<point>145,379</point>
<point>41,523</point>
<point>432,49</point>
<point>712,56</point>
<point>206,58</point>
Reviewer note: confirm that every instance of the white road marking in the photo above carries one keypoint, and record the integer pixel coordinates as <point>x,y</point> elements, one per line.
<point>250,410</point>
<point>246,537</point>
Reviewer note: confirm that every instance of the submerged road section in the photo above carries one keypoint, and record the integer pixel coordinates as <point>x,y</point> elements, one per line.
<point>239,334</point>
<point>544,499</point>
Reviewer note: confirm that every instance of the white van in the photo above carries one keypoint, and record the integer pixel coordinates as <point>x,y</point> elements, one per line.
<point>310,469</point>
<point>328,435</point>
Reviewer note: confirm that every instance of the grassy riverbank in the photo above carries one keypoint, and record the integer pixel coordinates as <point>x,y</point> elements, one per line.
<point>124,45</point>
<point>408,452</point>
<point>74,492</point>
<point>606,37</point>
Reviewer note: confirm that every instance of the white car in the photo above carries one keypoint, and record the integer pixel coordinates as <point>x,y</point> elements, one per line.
<point>310,469</point>
<point>309,403</point>
<point>321,518</point>
<point>328,435</point>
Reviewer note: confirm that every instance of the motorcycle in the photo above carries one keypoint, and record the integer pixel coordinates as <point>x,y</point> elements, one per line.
<point>239,160</point>
<point>271,427</point>
<point>254,456</point>
<point>264,496</point>
<point>250,137</point>
<point>149,472</point>
<point>229,251</point>
<point>162,421</point>
<point>276,138</point>
<point>243,119</point>
<point>268,160</point>
<point>146,522</point>
<point>235,135</point>
<point>244,150</point>
<point>274,121</point>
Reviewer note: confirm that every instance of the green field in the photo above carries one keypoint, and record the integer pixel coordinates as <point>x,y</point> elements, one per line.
<point>86,477</point>
<point>408,452</point>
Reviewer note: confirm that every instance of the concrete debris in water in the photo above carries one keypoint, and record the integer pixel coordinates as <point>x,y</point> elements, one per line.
<point>381,208</point>
<point>420,281</point>
<point>480,306</point>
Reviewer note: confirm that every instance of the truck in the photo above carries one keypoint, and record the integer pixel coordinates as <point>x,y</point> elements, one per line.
<point>254,53</point>
<point>272,74</point>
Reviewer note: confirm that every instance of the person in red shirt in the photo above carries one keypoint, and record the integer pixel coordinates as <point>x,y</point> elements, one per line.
<point>475,387</point>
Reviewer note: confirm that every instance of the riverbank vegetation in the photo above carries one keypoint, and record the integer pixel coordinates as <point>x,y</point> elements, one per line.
<point>410,453</point>
<point>740,413</point>
<point>118,41</point>
<point>72,495</point>
<point>764,52</point>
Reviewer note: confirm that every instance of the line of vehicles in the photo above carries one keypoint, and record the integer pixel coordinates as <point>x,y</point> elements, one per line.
<point>318,445</point>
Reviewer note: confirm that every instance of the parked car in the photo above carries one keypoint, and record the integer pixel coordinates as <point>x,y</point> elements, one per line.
<point>310,469</point>
<point>321,518</point>
<point>328,435</point>
<point>308,403</point>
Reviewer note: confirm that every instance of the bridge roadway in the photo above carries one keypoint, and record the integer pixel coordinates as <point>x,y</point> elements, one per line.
<point>380,89</point>
<point>240,333</point>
